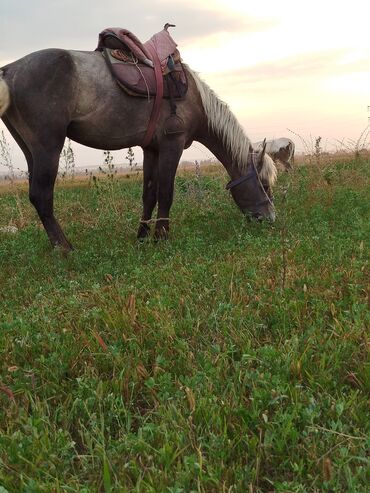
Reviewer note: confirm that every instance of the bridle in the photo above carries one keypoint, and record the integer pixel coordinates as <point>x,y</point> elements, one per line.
<point>252,173</point>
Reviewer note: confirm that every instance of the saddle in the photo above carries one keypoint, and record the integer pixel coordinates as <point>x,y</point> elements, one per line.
<point>132,62</point>
<point>146,69</point>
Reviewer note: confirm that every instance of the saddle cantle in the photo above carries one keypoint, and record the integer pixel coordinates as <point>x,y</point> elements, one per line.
<point>133,66</point>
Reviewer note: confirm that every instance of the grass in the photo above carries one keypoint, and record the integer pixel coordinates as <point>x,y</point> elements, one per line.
<point>232,358</point>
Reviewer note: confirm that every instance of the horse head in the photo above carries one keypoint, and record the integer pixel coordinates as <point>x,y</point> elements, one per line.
<point>252,191</point>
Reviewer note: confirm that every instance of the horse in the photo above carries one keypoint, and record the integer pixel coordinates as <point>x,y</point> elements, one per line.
<point>281,150</point>
<point>53,93</point>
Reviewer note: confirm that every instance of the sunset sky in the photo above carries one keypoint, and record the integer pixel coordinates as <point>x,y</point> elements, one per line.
<point>299,65</point>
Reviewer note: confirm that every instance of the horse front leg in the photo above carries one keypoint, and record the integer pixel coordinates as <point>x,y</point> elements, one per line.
<point>169,156</point>
<point>150,189</point>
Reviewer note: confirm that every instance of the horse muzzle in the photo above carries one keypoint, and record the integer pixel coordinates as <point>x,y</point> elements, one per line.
<point>259,216</point>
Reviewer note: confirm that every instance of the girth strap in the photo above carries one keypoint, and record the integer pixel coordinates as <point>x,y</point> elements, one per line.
<point>158,97</point>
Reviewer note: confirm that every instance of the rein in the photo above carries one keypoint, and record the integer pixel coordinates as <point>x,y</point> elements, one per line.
<point>261,184</point>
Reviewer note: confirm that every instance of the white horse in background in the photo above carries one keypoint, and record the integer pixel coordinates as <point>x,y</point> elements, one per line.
<point>281,150</point>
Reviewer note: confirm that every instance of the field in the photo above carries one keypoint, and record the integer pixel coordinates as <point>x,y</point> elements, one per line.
<point>231,358</point>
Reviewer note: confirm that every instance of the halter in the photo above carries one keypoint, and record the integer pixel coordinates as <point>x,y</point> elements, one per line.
<point>240,180</point>
<point>251,174</point>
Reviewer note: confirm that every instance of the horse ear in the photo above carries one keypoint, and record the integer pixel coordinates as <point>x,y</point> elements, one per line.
<point>264,143</point>
<point>261,155</point>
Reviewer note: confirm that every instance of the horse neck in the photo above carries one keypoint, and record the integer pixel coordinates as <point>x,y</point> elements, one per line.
<point>215,144</point>
<point>219,130</point>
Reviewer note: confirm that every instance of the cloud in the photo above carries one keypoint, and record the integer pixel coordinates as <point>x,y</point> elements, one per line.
<point>282,74</point>
<point>29,26</point>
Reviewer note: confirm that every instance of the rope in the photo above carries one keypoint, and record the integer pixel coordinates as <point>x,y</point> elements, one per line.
<point>259,180</point>
<point>149,221</point>
<point>136,63</point>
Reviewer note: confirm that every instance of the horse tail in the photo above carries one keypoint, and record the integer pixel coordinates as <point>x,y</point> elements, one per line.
<point>4,95</point>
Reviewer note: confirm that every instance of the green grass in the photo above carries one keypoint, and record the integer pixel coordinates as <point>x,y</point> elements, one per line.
<point>231,358</point>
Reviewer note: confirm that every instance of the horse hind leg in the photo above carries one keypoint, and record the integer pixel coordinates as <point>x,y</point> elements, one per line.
<point>44,173</point>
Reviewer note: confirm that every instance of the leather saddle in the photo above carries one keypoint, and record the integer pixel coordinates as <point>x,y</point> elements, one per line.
<point>133,63</point>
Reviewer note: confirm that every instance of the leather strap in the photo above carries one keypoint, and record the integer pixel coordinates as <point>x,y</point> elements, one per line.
<point>238,181</point>
<point>158,97</point>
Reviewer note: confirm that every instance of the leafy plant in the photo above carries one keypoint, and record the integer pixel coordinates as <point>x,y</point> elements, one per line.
<point>231,358</point>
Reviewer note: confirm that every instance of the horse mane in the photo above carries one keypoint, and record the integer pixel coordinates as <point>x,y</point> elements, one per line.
<point>225,125</point>
<point>268,171</point>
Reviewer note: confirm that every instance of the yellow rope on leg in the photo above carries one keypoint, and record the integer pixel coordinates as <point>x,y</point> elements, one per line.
<point>149,221</point>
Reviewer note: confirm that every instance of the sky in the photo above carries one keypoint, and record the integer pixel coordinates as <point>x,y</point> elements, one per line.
<point>286,68</point>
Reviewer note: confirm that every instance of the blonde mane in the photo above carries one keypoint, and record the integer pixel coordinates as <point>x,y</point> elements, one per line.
<point>268,171</point>
<point>224,124</point>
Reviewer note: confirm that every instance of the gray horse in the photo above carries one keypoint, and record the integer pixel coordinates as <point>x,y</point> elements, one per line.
<point>53,94</point>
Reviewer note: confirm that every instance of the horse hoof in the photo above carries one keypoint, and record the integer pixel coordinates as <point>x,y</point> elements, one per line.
<point>63,248</point>
<point>143,232</point>
<point>160,234</point>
